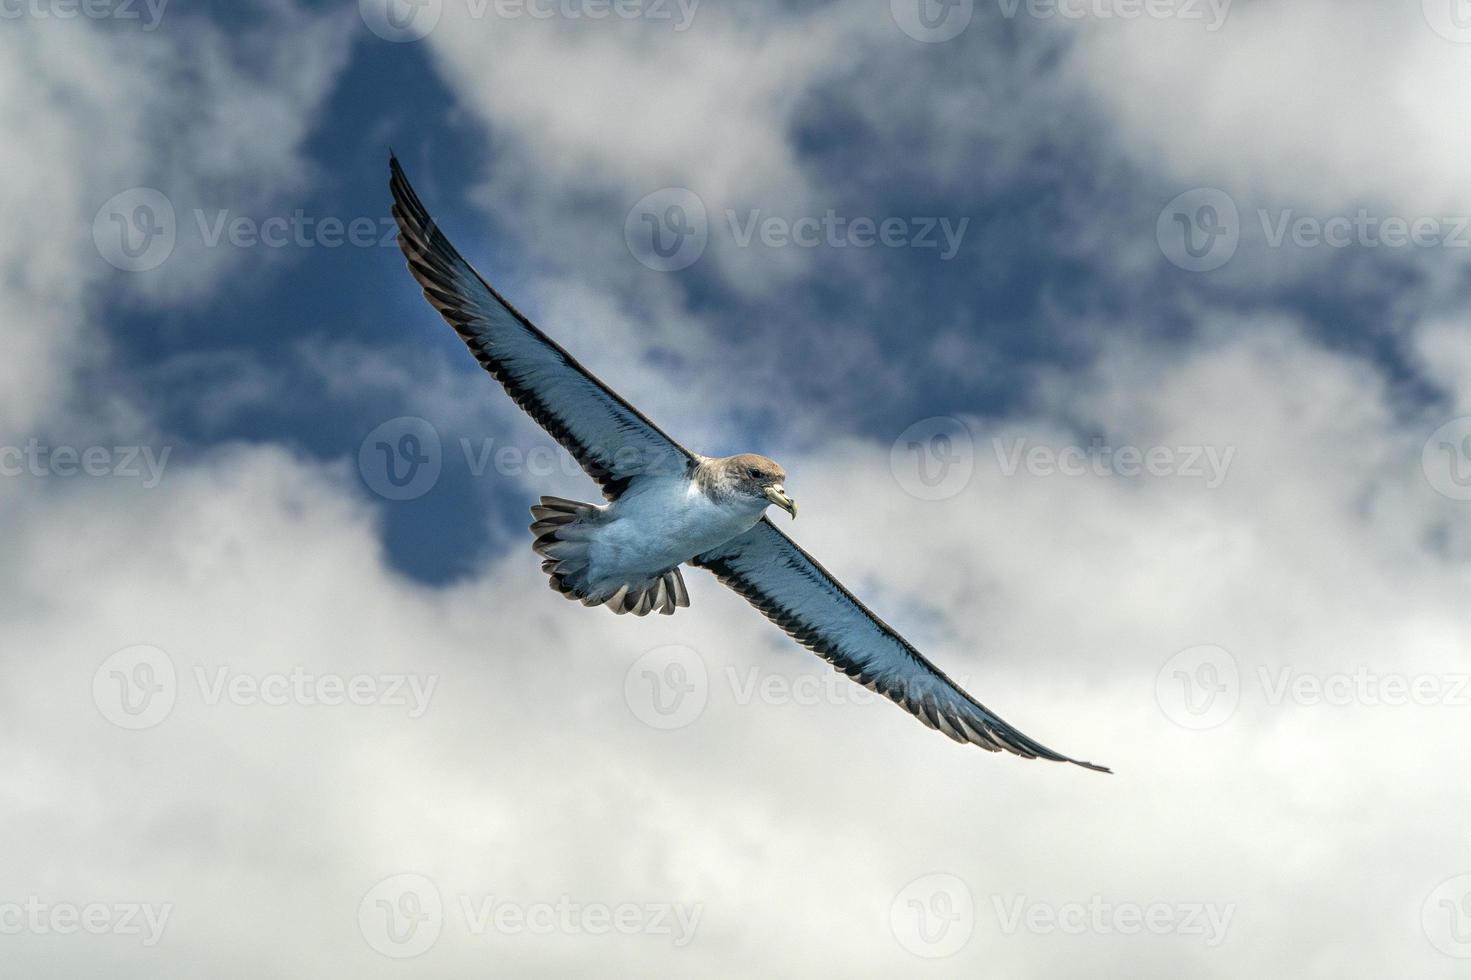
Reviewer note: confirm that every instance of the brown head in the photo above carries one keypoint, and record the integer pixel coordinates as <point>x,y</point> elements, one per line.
<point>754,477</point>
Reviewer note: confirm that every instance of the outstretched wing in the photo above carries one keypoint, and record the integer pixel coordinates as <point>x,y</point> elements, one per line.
<point>608,437</point>
<point>796,593</point>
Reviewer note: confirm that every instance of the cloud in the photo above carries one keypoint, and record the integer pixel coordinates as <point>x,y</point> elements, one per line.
<point>1270,662</point>
<point>183,111</point>
<point>1060,600</point>
<point>1316,104</point>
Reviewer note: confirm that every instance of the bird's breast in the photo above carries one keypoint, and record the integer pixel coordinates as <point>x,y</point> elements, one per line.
<point>662,525</point>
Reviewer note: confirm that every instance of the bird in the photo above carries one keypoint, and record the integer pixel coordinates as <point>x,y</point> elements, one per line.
<point>667,507</point>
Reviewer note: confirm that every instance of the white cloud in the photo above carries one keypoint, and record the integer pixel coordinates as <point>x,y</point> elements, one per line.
<point>188,109</point>
<point>529,777</point>
<point>1324,556</point>
<point>1315,104</point>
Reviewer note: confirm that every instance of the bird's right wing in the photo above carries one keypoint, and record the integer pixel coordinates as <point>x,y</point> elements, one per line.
<point>796,593</point>
<point>608,437</point>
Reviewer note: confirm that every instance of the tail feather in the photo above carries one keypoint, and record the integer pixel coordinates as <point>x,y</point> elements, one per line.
<point>563,529</point>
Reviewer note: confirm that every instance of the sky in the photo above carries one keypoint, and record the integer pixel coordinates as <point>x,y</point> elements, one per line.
<point>1116,351</point>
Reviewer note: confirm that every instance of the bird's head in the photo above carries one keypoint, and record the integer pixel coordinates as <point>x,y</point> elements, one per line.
<point>759,478</point>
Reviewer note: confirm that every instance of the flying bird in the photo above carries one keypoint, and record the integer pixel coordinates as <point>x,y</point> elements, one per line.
<point>667,507</point>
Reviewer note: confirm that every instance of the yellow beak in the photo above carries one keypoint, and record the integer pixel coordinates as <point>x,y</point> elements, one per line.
<point>777,495</point>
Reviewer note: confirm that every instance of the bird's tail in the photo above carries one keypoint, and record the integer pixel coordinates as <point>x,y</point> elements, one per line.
<point>564,530</point>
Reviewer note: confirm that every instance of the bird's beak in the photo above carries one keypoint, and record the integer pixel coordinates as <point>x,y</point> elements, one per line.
<point>778,496</point>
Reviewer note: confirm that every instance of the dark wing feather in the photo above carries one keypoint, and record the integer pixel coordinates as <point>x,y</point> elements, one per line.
<point>796,593</point>
<point>608,437</point>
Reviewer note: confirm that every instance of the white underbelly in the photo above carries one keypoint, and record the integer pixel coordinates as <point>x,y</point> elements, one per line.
<point>660,527</point>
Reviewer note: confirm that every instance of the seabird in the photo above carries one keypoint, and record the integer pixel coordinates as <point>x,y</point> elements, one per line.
<point>667,506</point>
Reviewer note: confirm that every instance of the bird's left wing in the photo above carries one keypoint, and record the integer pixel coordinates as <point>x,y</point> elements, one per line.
<point>608,437</point>
<point>796,593</point>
